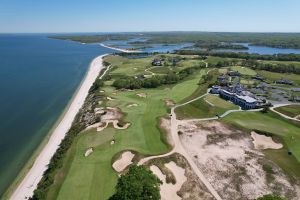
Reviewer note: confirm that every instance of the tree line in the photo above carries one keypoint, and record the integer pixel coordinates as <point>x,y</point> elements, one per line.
<point>242,55</point>
<point>129,82</point>
<point>255,65</point>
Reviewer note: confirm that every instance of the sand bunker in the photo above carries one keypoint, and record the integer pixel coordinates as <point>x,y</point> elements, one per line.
<point>168,190</point>
<point>124,161</point>
<point>99,111</point>
<point>143,95</point>
<point>132,105</point>
<point>109,98</point>
<point>115,124</point>
<point>264,142</point>
<point>88,152</point>
<point>169,102</point>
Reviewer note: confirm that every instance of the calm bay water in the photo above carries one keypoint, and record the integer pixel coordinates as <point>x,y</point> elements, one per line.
<point>263,50</point>
<point>38,77</point>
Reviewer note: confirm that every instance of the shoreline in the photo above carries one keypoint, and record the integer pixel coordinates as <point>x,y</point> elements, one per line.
<point>119,49</point>
<point>28,183</point>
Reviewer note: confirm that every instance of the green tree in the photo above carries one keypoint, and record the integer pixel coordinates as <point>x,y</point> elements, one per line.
<point>270,197</point>
<point>137,184</point>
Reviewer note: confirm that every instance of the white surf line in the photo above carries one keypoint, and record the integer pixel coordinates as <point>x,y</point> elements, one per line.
<point>119,49</point>
<point>27,186</point>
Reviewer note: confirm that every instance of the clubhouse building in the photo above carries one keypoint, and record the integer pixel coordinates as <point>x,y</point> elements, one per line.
<point>236,95</point>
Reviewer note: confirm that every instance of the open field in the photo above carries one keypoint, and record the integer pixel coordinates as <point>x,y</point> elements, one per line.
<point>290,110</point>
<point>243,70</point>
<point>272,123</point>
<point>206,107</point>
<point>93,177</point>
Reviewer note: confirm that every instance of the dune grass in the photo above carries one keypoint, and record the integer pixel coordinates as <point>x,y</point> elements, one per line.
<point>244,70</point>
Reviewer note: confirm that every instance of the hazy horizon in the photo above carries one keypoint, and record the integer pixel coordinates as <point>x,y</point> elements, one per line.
<point>94,16</point>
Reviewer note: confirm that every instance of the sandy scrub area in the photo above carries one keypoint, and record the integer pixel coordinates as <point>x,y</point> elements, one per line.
<point>143,95</point>
<point>29,183</point>
<point>230,162</point>
<point>169,190</point>
<point>264,142</point>
<point>165,125</point>
<point>169,102</point>
<point>124,161</point>
<point>174,170</point>
<point>88,152</point>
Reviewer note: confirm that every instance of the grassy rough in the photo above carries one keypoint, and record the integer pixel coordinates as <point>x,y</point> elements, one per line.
<point>202,109</point>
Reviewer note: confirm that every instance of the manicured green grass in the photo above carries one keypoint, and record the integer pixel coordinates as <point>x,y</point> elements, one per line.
<point>290,110</point>
<point>244,70</point>
<point>202,109</point>
<point>269,122</point>
<point>272,76</point>
<point>247,81</point>
<point>93,177</point>
<point>161,70</point>
<point>129,67</point>
<point>223,70</point>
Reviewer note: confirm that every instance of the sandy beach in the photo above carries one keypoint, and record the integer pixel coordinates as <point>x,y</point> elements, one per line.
<point>29,183</point>
<point>119,49</point>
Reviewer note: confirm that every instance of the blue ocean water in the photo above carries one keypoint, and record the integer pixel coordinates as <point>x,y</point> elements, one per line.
<point>38,77</point>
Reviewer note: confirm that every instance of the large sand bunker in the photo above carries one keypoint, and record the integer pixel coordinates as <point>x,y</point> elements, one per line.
<point>264,142</point>
<point>230,162</point>
<point>124,161</point>
<point>168,191</point>
<point>109,115</point>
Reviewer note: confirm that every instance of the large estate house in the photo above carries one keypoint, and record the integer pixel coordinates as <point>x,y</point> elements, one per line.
<point>284,81</point>
<point>237,95</point>
<point>157,62</point>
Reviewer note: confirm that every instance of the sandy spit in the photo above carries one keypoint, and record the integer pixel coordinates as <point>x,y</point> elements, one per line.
<point>34,175</point>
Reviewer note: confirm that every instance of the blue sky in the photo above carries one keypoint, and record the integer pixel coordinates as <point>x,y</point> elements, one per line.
<point>149,15</point>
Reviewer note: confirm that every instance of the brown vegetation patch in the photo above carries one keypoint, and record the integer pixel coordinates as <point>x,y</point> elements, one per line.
<point>169,102</point>
<point>143,95</point>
